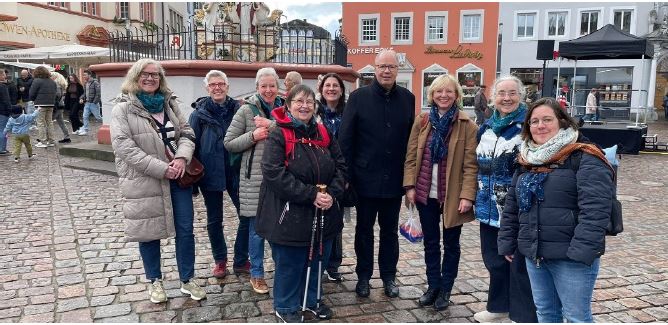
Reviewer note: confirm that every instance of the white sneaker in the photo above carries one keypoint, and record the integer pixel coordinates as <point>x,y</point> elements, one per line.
<point>40,145</point>
<point>82,133</point>
<point>50,144</point>
<point>487,317</point>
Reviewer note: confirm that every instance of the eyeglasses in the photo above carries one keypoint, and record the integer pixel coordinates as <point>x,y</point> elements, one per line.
<point>383,67</point>
<point>217,85</point>
<point>152,75</point>
<point>503,93</point>
<point>545,120</point>
<point>301,102</point>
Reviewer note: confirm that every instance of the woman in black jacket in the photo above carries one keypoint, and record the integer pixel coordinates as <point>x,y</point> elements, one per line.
<point>72,93</point>
<point>299,155</point>
<point>43,94</point>
<point>557,209</point>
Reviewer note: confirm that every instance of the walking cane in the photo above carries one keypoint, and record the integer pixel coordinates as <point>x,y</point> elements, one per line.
<point>310,259</point>
<point>322,188</point>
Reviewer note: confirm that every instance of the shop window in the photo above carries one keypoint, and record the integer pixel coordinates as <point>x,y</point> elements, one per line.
<point>436,25</point>
<point>402,28</point>
<point>366,76</point>
<point>470,78</point>
<point>471,26</point>
<point>525,24</point>
<point>589,21</point>
<point>622,19</point>
<point>368,34</point>
<point>557,23</point>
<point>428,76</point>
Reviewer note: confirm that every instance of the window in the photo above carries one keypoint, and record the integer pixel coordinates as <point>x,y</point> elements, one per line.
<point>471,26</point>
<point>175,21</point>
<point>622,19</point>
<point>198,5</point>
<point>428,76</point>
<point>123,10</point>
<point>525,24</point>
<point>556,23</point>
<point>470,78</point>
<point>402,28</point>
<point>146,11</point>
<point>369,31</point>
<point>436,25</point>
<point>91,8</point>
<point>589,22</point>
<point>59,4</point>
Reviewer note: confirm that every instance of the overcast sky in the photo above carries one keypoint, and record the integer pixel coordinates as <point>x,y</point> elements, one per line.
<point>323,14</point>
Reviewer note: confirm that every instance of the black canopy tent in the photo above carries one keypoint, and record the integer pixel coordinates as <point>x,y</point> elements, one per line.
<point>609,42</point>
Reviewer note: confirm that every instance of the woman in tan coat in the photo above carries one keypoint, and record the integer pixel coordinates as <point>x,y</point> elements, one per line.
<point>146,123</point>
<point>440,180</point>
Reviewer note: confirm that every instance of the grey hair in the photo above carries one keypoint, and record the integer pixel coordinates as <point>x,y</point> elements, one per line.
<point>294,76</point>
<point>215,73</point>
<point>266,72</point>
<point>59,79</point>
<point>131,82</point>
<point>520,86</point>
<point>381,53</point>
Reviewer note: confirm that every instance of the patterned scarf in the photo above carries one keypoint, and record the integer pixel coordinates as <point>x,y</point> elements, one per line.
<point>537,155</point>
<point>500,123</point>
<point>152,103</point>
<point>332,120</point>
<point>441,126</point>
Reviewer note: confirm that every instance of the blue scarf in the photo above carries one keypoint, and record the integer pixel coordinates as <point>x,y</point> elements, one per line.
<point>528,187</point>
<point>297,124</point>
<point>152,103</point>
<point>441,126</point>
<point>220,112</point>
<point>278,102</point>
<point>500,123</point>
<point>331,119</point>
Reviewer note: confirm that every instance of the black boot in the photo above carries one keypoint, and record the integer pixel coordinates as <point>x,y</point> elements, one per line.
<point>362,289</point>
<point>428,297</point>
<point>442,301</point>
<point>391,289</point>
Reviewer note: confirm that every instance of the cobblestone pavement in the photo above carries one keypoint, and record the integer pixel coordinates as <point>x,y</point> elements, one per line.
<point>63,258</point>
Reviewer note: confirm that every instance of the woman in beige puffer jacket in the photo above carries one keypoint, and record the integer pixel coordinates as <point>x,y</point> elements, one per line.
<point>146,123</point>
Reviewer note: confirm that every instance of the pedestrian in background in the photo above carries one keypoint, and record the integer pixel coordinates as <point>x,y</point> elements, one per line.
<point>499,140</point>
<point>591,107</point>
<point>59,105</point>
<point>247,134</point>
<point>440,180</point>
<point>148,128</point>
<point>23,85</point>
<point>73,92</point>
<point>290,200</point>
<point>5,111</point>
<point>11,88</point>
<point>210,121</point>
<point>330,108</point>
<point>480,105</point>
<point>19,127</point>
<point>43,94</point>
<point>91,99</point>
<point>557,209</point>
<point>373,137</point>
<point>292,79</point>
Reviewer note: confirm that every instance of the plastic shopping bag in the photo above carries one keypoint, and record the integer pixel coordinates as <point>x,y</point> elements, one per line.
<point>411,228</point>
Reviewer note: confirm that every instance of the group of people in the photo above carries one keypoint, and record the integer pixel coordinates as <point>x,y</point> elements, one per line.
<point>44,96</point>
<point>293,164</point>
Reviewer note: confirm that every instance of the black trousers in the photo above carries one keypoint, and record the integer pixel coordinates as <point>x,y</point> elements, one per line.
<point>336,256</point>
<point>387,211</point>
<point>74,116</point>
<point>509,286</point>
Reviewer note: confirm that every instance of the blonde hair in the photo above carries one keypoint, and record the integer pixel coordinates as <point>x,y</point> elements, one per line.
<point>59,79</point>
<point>442,81</point>
<point>131,83</point>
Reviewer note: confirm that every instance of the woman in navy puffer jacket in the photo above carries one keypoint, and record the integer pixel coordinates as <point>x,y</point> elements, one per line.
<point>556,213</point>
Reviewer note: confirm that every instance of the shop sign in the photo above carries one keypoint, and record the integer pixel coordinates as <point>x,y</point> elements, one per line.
<point>457,53</point>
<point>368,50</point>
<point>33,31</point>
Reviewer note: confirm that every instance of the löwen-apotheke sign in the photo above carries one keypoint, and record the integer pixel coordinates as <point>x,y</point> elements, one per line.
<point>457,53</point>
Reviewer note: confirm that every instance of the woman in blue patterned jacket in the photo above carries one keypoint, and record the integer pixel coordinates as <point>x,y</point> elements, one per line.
<point>499,139</point>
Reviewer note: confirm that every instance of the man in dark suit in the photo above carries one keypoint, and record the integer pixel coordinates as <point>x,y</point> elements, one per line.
<point>373,137</point>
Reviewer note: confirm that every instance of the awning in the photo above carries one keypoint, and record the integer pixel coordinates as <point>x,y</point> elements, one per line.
<point>55,52</point>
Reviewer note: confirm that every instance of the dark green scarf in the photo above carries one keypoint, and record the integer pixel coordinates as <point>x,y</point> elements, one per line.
<point>152,103</point>
<point>500,123</point>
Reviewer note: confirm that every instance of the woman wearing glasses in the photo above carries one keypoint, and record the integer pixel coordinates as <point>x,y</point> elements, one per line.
<point>499,140</point>
<point>246,135</point>
<point>147,128</point>
<point>299,155</point>
<point>557,209</point>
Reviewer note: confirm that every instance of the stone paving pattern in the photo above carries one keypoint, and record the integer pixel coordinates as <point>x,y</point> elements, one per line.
<point>63,257</point>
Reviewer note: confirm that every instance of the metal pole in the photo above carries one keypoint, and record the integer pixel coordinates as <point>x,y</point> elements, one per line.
<point>556,93</point>
<point>573,106</point>
<point>642,98</point>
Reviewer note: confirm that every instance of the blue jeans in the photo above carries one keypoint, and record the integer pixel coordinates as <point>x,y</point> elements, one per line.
<point>440,275</point>
<point>290,276</point>
<point>3,140</point>
<point>255,250</point>
<point>589,117</point>
<point>214,226</point>
<point>91,108</point>
<point>182,205</point>
<point>563,288</point>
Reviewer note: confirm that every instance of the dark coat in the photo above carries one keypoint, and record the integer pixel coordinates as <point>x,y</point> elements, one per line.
<point>13,92</point>
<point>570,223</point>
<point>373,137</point>
<point>285,210</point>
<point>209,134</point>
<point>71,101</point>
<point>26,84</point>
<point>5,103</point>
<point>43,91</point>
